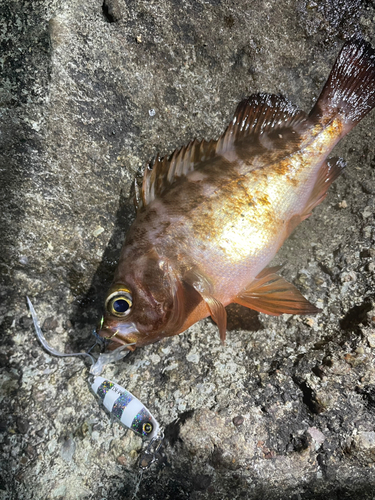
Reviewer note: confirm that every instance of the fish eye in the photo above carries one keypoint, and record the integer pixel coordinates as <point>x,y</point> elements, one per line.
<point>147,428</point>
<point>119,303</point>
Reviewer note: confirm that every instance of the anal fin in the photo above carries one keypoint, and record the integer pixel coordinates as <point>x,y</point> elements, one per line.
<point>271,294</point>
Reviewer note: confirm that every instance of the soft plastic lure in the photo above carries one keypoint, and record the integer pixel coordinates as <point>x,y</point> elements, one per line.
<point>120,403</point>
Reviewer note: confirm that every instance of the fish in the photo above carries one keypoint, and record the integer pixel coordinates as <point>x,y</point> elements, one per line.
<point>212,216</point>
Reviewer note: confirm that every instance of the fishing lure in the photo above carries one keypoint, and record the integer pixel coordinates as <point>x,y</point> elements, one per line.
<point>121,404</point>
<point>125,408</point>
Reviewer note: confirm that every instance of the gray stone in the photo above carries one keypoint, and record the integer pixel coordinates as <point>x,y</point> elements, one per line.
<point>68,449</point>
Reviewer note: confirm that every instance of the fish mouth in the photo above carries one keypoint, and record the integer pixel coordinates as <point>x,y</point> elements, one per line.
<point>119,335</point>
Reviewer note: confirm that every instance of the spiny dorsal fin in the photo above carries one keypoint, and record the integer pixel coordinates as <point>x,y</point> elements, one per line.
<point>165,170</point>
<point>260,114</point>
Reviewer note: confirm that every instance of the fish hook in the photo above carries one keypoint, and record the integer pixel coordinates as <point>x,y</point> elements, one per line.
<point>149,455</point>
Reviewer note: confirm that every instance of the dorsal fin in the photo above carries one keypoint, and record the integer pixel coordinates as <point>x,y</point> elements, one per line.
<point>263,113</point>
<point>165,170</point>
<point>257,115</point>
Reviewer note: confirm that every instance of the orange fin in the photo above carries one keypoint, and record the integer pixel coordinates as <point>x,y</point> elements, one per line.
<point>350,88</point>
<point>294,222</point>
<point>218,314</point>
<point>260,114</point>
<point>179,307</point>
<point>271,294</point>
<point>217,311</point>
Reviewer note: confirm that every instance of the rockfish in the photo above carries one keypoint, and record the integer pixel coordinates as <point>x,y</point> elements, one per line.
<point>213,215</point>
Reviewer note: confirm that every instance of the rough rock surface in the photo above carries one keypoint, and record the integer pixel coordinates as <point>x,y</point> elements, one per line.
<point>89,92</point>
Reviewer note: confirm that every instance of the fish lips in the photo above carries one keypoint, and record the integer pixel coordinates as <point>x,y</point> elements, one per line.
<point>119,334</point>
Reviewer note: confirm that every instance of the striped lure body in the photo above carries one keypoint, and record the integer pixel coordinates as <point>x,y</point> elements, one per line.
<point>126,408</point>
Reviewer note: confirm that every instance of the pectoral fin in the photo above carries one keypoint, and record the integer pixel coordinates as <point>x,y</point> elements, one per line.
<point>217,311</point>
<point>218,314</point>
<point>271,294</point>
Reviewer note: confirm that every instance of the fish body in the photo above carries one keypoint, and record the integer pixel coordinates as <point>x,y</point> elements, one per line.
<point>212,216</point>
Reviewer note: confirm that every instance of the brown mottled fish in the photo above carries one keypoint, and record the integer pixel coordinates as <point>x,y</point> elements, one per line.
<point>213,215</point>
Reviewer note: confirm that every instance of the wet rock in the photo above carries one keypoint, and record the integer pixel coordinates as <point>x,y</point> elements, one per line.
<point>363,446</point>
<point>50,323</point>
<point>317,436</point>
<point>26,322</point>
<point>201,482</point>
<point>238,420</point>
<point>114,10</point>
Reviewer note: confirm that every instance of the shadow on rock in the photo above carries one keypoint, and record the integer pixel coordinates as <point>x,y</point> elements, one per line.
<point>242,318</point>
<point>89,307</point>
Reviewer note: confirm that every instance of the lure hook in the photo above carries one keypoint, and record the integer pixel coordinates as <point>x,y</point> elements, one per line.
<point>149,455</point>
<point>44,342</point>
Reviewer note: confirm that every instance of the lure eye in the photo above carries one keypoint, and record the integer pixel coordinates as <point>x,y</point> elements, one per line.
<point>147,428</point>
<point>119,303</point>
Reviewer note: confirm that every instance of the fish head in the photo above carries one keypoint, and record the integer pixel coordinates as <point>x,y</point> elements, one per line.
<point>143,304</point>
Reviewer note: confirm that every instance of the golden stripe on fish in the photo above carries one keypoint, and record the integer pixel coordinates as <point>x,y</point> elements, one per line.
<point>212,216</point>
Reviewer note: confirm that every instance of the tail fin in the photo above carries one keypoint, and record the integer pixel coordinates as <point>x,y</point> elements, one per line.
<point>350,88</point>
